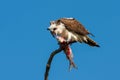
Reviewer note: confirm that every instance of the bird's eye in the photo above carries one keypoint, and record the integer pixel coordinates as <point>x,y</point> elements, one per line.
<point>54,28</point>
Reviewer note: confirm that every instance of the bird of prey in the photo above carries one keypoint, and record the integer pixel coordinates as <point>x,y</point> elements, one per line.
<point>68,31</point>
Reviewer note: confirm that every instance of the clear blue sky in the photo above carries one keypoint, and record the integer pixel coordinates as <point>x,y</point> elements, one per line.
<point>25,44</point>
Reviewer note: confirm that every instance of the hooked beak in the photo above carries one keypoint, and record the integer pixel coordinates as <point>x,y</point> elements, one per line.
<point>48,29</point>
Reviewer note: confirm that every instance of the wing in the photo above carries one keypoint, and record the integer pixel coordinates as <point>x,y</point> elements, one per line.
<point>74,26</point>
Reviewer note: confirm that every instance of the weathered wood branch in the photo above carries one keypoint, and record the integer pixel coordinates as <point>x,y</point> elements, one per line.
<point>48,65</point>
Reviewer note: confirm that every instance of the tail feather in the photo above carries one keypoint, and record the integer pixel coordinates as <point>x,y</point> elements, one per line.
<point>88,41</point>
<point>91,42</point>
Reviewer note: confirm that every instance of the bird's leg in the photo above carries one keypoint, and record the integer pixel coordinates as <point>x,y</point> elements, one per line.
<point>60,39</point>
<point>69,56</point>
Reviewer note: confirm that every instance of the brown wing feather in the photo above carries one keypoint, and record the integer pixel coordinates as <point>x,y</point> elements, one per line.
<point>74,26</point>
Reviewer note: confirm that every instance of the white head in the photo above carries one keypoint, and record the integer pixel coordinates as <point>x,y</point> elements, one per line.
<point>56,27</point>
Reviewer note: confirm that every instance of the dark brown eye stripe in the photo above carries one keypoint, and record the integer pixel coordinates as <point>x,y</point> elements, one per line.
<point>54,28</point>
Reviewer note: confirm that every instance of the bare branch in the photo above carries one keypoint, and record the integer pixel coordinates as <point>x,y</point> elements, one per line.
<point>49,62</point>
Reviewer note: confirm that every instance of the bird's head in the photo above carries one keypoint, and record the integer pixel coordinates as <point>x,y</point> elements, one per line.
<point>56,28</point>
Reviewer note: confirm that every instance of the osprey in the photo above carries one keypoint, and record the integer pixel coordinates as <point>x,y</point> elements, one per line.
<point>68,31</point>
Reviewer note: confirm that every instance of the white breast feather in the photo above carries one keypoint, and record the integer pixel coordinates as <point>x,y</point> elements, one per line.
<point>70,36</point>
